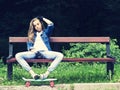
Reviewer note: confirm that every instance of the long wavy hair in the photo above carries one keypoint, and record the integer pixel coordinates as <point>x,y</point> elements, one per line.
<point>31,29</point>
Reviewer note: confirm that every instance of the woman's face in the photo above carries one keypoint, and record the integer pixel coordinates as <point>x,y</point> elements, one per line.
<point>37,25</point>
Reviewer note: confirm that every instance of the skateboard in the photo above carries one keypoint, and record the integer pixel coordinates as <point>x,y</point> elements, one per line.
<point>28,81</point>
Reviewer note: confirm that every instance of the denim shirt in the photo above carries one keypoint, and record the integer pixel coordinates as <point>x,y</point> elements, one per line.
<point>45,36</point>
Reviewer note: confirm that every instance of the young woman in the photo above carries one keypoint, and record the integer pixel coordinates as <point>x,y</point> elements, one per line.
<point>38,43</point>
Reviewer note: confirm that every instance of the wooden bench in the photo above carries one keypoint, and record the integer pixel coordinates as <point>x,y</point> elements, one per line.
<point>104,40</point>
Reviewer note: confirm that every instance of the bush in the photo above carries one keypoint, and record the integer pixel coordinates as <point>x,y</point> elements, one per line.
<point>92,50</point>
<point>115,50</point>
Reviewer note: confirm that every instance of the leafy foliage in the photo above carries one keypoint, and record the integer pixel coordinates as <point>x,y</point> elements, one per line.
<point>92,50</point>
<point>115,50</point>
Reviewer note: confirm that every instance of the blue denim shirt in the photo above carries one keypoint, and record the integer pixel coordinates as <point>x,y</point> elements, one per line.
<point>45,36</point>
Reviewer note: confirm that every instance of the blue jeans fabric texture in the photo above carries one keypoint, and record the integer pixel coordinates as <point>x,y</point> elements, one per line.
<point>52,55</point>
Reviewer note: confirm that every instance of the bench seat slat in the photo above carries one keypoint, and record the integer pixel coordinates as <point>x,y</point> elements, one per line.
<point>68,60</point>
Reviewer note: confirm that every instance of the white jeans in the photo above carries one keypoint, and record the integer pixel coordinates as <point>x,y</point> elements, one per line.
<point>52,55</point>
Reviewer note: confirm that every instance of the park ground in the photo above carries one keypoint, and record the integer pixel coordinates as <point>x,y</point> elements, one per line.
<point>76,86</point>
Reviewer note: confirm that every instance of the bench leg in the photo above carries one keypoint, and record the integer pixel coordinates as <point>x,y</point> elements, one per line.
<point>9,71</point>
<point>110,69</point>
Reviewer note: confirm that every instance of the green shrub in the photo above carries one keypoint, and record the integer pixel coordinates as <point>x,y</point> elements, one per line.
<point>115,50</point>
<point>91,50</point>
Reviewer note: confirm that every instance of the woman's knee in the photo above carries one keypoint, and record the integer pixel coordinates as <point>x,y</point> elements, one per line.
<point>61,55</point>
<point>17,55</point>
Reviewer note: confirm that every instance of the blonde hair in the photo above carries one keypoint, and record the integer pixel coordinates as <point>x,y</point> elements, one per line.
<point>31,29</point>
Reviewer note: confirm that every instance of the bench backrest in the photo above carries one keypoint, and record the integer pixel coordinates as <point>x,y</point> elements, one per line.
<point>65,39</point>
<point>105,40</point>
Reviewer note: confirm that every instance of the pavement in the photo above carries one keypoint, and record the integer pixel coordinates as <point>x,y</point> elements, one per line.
<point>75,86</point>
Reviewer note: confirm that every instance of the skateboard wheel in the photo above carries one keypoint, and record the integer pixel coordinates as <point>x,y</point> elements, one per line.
<point>51,83</point>
<point>27,84</point>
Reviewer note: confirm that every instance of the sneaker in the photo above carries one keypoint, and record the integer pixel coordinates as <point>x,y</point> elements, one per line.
<point>43,76</point>
<point>36,77</point>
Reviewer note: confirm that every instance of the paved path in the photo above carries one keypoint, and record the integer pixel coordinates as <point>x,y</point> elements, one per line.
<point>76,86</point>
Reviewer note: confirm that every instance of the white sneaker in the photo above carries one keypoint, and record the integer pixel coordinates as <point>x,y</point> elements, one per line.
<point>36,77</point>
<point>43,76</point>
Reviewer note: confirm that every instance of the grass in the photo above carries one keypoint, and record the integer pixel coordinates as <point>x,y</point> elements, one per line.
<point>65,73</point>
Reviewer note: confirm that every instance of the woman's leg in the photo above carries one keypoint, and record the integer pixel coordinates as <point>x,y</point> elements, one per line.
<point>56,57</point>
<point>21,56</point>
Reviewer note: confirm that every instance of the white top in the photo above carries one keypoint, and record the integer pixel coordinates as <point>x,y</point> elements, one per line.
<point>39,44</point>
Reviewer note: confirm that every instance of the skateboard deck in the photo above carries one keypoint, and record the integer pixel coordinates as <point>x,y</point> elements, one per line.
<point>28,81</point>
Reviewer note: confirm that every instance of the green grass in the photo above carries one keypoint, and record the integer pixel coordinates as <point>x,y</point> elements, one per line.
<point>65,73</point>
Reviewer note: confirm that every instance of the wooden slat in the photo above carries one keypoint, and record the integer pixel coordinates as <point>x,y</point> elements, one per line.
<point>17,39</point>
<point>80,39</point>
<point>64,39</point>
<point>68,60</point>
<point>89,59</point>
